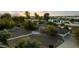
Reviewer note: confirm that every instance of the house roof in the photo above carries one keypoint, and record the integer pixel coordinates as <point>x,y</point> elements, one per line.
<point>62,31</point>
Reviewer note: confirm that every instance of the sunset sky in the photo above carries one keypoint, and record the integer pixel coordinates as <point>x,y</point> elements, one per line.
<point>52,13</point>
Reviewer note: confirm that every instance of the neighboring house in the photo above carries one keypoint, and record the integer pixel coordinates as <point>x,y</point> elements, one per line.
<point>63,32</point>
<point>76,20</point>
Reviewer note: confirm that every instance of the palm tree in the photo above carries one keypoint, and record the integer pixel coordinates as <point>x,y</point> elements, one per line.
<point>27,15</point>
<point>46,16</point>
<point>36,16</point>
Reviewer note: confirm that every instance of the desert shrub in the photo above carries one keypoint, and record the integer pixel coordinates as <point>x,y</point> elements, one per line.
<point>62,24</point>
<point>66,27</point>
<point>7,23</point>
<point>52,23</point>
<point>28,43</point>
<point>4,35</point>
<point>49,29</point>
<point>49,23</point>
<point>19,20</point>
<point>29,25</point>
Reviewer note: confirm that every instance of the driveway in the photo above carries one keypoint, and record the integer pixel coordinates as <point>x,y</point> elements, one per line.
<point>69,42</point>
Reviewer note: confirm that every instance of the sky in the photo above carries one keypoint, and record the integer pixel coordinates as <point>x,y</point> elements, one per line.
<point>52,13</point>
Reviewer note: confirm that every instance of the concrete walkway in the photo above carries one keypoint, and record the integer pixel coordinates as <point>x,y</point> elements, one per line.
<point>69,42</point>
<point>33,32</point>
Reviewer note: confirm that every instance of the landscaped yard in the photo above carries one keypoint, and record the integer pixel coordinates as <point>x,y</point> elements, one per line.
<point>40,32</point>
<point>44,39</point>
<point>17,31</point>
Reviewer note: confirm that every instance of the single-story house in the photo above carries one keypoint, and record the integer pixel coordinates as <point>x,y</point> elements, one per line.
<point>63,32</point>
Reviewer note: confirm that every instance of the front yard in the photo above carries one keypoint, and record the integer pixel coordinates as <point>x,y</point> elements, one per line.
<point>44,39</point>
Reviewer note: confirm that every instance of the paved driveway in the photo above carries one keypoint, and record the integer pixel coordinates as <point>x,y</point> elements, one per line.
<point>69,42</point>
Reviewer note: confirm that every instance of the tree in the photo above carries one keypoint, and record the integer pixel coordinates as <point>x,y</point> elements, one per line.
<point>46,16</point>
<point>36,16</point>
<point>29,43</point>
<point>72,20</point>
<point>50,30</point>
<point>15,18</point>
<point>29,25</point>
<point>6,23</point>
<point>27,15</point>
<point>4,35</point>
<point>21,19</point>
<point>6,15</point>
<point>39,18</point>
<point>18,20</point>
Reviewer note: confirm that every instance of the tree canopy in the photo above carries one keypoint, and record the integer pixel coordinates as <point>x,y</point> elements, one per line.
<point>4,35</point>
<point>6,15</point>
<point>46,16</point>
<point>27,14</point>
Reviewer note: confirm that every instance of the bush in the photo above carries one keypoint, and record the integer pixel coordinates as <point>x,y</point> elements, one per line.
<point>62,24</point>
<point>18,20</point>
<point>76,34</point>
<point>49,23</point>
<point>6,15</point>
<point>50,30</point>
<point>66,27</point>
<point>51,46</point>
<point>29,25</point>
<point>52,23</point>
<point>7,23</point>
<point>4,35</point>
<point>29,43</point>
